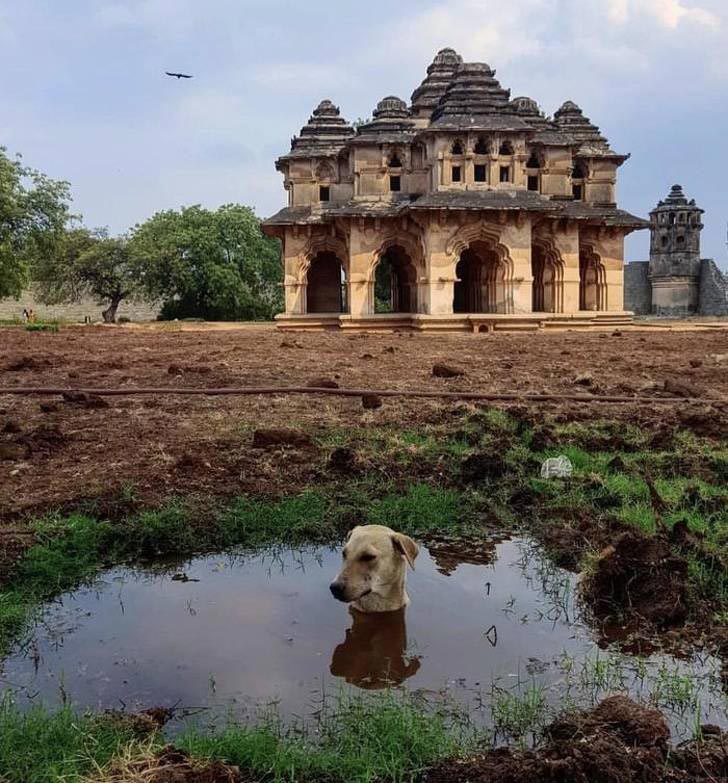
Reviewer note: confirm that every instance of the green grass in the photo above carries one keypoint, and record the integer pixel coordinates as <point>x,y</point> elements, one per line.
<point>355,739</point>
<point>38,746</point>
<point>363,739</point>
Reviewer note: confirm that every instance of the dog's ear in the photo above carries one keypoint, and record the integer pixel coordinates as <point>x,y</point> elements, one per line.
<point>406,546</point>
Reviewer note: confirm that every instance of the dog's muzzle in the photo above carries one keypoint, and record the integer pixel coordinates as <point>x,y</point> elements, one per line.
<point>338,591</point>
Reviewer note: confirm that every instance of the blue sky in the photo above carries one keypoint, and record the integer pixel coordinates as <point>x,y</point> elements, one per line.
<point>83,95</point>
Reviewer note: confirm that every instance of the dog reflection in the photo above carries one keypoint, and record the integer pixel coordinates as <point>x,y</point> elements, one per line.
<point>373,654</point>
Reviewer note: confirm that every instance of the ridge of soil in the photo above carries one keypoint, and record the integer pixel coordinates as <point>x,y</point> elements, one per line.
<point>618,741</point>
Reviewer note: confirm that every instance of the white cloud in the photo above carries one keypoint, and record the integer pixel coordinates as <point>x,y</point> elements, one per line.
<point>669,13</point>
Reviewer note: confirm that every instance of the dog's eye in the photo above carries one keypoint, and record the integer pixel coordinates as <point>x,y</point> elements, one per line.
<point>367,558</point>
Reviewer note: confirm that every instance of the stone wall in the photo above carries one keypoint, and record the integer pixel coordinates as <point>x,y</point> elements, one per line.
<point>75,312</point>
<point>713,289</point>
<point>637,288</point>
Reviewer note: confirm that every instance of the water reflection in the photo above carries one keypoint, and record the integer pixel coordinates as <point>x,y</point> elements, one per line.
<point>374,653</point>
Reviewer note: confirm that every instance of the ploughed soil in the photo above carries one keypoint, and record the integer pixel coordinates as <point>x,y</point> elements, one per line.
<point>56,451</point>
<point>618,741</point>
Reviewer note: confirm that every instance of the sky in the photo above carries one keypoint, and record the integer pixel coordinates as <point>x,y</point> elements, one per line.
<point>84,98</point>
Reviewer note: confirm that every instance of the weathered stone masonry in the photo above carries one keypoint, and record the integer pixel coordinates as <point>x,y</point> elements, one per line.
<point>676,282</point>
<point>478,208</point>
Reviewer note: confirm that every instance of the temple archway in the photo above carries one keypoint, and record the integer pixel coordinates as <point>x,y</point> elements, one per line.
<point>547,293</point>
<point>395,282</point>
<point>326,284</point>
<point>480,285</point>
<point>592,281</point>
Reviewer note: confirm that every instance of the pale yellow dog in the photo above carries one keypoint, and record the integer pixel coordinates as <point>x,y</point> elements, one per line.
<point>373,576</point>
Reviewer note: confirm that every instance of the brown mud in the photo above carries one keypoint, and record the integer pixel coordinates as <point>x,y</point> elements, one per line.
<point>618,741</point>
<point>641,577</point>
<point>141,441</point>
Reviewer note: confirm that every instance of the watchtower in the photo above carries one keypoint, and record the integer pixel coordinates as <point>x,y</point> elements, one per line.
<point>675,229</point>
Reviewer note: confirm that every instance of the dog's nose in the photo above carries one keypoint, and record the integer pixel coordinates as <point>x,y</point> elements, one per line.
<point>337,590</point>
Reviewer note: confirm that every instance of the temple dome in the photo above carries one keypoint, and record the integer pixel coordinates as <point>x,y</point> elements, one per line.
<point>439,73</point>
<point>447,57</point>
<point>474,90</point>
<point>326,126</point>
<point>391,107</point>
<point>570,119</point>
<point>525,106</point>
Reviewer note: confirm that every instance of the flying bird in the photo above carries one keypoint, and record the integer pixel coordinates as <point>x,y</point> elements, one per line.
<point>180,75</point>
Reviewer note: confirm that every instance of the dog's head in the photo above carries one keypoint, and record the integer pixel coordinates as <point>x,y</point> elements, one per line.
<point>375,561</point>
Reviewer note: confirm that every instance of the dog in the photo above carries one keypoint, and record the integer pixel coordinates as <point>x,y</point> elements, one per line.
<point>374,653</point>
<point>372,578</point>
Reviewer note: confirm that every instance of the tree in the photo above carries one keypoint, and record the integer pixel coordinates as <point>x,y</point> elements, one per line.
<point>34,213</point>
<point>89,263</point>
<point>212,264</point>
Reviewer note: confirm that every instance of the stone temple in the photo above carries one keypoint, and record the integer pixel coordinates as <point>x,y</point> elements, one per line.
<point>464,210</point>
<point>676,282</point>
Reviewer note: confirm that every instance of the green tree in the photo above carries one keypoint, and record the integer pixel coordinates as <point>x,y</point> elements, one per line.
<point>89,263</point>
<point>34,213</point>
<point>212,264</point>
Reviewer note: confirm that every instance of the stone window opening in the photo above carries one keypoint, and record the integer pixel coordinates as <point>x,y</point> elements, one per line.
<point>592,281</point>
<point>395,162</point>
<point>395,282</point>
<point>480,173</point>
<point>672,219</point>
<point>326,285</point>
<point>547,288</point>
<point>664,241</point>
<point>533,162</point>
<point>533,183</point>
<point>577,191</point>
<point>324,193</point>
<point>681,240</point>
<point>481,146</point>
<point>395,183</point>
<point>506,148</point>
<point>578,172</point>
<point>456,174</point>
<point>457,148</point>
<point>480,285</point>
<point>505,173</point>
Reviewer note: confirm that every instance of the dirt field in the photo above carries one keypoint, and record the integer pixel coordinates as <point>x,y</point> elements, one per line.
<point>54,452</point>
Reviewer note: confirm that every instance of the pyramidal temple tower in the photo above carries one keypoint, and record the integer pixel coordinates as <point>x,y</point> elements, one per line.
<point>676,282</point>
<point>675,226</point>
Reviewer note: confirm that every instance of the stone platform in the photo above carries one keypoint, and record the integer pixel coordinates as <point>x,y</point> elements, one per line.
<point>466,322</point>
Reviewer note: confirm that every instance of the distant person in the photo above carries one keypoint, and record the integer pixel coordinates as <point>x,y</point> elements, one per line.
<point>26,315</point>
<point>31,315</point>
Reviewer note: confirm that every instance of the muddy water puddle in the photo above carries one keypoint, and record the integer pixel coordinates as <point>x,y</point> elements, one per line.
<point>242,631</point>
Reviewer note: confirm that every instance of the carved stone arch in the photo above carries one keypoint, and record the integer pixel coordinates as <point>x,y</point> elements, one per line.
<point>325,171</point>
<point>406,269</point>
<point>412,246</point>
<point>547,268</point>
<point>593,290</point>
<point>323,244</point>
<point>319,275</point>
<point>479,232</point>
<point>493,281</point>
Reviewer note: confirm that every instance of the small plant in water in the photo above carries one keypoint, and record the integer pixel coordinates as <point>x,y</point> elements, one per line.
<point>675,690</point>
<point>518,714</point>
